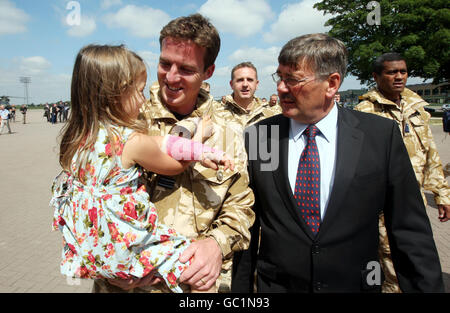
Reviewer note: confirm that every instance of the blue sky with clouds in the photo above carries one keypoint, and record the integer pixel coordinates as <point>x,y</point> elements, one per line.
<point>37,40</point>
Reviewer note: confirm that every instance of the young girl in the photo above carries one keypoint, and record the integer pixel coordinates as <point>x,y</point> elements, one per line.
<point>110,228</point>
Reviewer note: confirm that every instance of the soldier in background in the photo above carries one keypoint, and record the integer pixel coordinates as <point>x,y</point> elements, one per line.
<point>392,100</point>
<point>242,103</point>
<point>212,206</point>
<point>206,87</point>
<point>273,101</point>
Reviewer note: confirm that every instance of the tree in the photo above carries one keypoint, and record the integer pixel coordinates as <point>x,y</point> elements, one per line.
<point>418,29</point>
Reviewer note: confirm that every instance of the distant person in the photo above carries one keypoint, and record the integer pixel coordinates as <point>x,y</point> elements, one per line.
<point>60,111</point>
<point>47,112</point>
<point>13,113</point>
<point>242,103</point>
<point>337,98</point>
<point>4,114</point>
<point>446,126</point>
<point>23,110</point>
<point>66,109</point>
<point>446,121</point>
<point>273,100</point>
<point>99,195</point>
<point>54,113</point>
<point>391,99</point>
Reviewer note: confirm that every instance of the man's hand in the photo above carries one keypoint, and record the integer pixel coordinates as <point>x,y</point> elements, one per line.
<point>444,212</point>
<point>131,283</point>
<point>205,266</point>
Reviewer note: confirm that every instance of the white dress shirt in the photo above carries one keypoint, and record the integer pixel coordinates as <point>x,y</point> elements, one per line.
<point>326,143</point>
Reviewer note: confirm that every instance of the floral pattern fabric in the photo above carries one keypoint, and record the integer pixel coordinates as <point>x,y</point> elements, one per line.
<point>110,228</point>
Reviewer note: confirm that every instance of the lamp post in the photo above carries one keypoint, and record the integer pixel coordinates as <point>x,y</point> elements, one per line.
<point>26,81</point>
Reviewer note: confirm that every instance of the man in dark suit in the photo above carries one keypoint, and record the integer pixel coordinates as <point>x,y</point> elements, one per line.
<point>317,205</point>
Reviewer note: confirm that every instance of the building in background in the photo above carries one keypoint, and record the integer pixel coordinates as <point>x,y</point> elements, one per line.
<point>433,94</point>
<point>350,98</point>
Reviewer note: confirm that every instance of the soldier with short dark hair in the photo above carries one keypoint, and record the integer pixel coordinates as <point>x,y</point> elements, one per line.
<point>391,99</point>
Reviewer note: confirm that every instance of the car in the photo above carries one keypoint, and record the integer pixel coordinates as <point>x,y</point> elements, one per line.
<point>446,107</point>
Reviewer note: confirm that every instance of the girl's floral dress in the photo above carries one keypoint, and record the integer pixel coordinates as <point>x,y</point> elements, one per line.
<point>110,228</point>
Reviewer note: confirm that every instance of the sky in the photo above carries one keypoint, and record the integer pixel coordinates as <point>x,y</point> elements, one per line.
<point>40,39</point>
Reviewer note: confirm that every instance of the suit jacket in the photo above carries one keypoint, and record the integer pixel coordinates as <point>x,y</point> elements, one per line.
<point>373,174</point>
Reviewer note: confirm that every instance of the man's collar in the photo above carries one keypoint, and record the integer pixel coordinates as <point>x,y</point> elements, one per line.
<point>256,103</point>
<point>406,95</point>
<point>158,110</point>
<point>326,125</point>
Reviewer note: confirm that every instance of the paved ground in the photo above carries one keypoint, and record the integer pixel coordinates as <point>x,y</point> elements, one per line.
<point>30,252</point>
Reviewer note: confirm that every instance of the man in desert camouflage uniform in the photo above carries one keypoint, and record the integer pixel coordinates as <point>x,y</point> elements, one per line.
<point>273,101</point>
<point>392,100</point>
<point>211,206</point>
<point>242,108</point>
<point>245,108</point>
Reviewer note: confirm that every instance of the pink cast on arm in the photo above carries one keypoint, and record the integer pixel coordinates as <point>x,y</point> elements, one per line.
<point>183,149</point>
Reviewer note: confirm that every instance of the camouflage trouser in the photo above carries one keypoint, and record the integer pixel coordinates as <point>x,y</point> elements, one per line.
<point>223,283</point>
<point>390,284</point>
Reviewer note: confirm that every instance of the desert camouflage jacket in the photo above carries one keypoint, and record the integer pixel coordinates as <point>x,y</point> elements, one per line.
<point>202,202</point>
<point>413,120</point>
<point>238,117</point>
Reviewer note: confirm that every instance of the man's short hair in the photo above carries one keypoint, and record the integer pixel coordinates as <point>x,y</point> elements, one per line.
<point>242,65</point>
<point>320,53</point>
<point>377,65</point>
<point>197,28</point>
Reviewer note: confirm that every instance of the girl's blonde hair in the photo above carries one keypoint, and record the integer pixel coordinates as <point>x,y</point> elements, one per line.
<point>101,76</point>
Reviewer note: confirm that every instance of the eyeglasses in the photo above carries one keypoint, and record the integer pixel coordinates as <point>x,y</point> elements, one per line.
<point>289,81</point>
